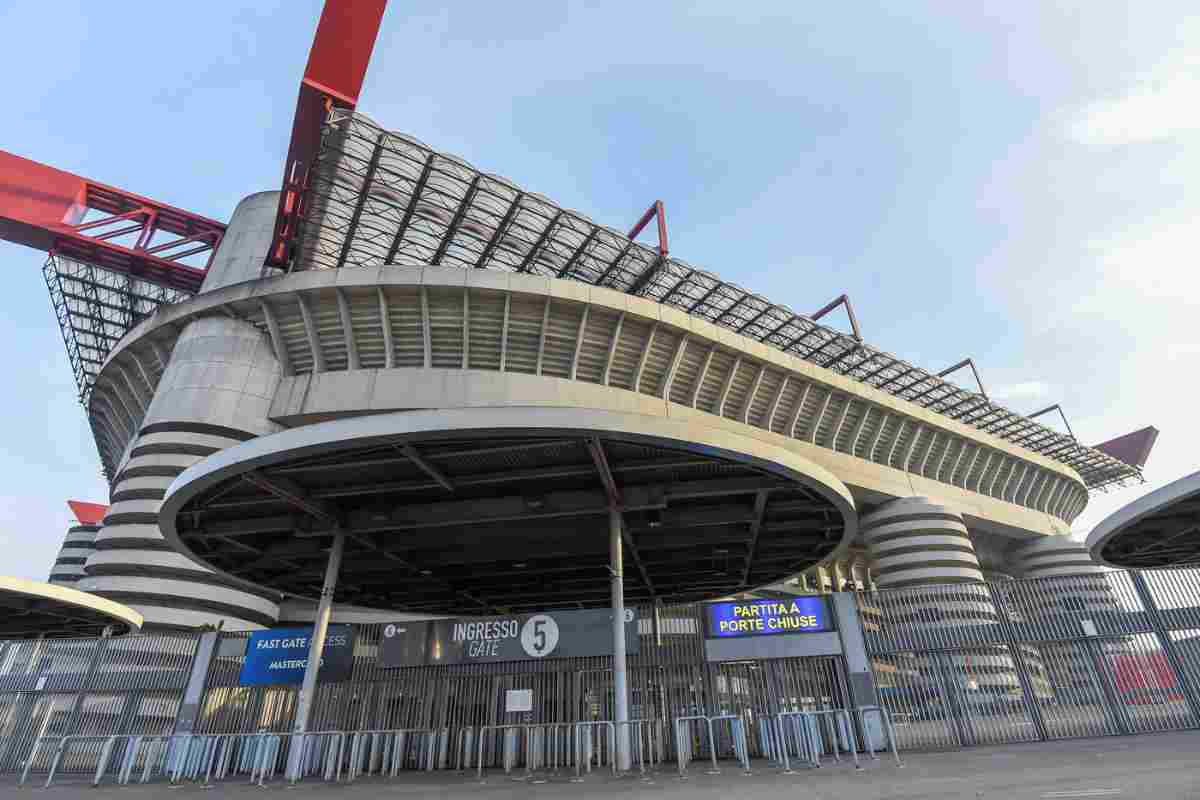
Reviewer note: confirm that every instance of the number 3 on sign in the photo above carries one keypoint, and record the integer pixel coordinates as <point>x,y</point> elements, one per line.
<point>539,635</point>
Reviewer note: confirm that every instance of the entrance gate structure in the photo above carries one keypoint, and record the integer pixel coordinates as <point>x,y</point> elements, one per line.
<point>1061,657</point>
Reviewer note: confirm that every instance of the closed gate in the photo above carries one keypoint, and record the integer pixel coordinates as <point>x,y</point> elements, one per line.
<point>1048,658</point>
<point>88,687</point>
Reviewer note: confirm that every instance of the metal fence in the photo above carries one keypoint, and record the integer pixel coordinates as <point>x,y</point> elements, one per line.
<point>1009,661</point>
<point>955,665</point>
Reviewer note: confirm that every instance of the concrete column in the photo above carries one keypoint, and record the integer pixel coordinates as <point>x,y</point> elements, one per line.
<point>620,687</point>
<point>1080,583</point>
<point>316,645</point>
<point>916,542</point>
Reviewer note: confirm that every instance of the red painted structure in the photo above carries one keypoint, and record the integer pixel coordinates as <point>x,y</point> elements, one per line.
<point>1132,448</point>
<point>337,65</point>
<point>47,209</point>
<point>87,513</point>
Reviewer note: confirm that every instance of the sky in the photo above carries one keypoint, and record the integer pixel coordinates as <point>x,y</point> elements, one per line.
<point>1012,181</point>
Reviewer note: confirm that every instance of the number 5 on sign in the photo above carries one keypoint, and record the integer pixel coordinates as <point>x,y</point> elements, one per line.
<point>539,635</point>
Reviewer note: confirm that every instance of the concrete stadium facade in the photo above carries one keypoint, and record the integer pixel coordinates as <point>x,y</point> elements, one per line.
<point>253,357</point>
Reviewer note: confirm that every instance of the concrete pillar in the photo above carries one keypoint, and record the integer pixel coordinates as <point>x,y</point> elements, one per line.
<point>244,247</point>
<point>620,684</point>
<point>916,542</point>
<point>78,545</point>
<point>316,645</point>
<point>1064,579</point>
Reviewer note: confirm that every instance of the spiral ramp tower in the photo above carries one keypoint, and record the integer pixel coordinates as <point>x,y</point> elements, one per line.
<point>173,404</point>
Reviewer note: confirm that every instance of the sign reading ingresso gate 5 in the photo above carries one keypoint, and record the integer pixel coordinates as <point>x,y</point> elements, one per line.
<point>279,655</point>
<point>517,637</point>
<point>731,619</point>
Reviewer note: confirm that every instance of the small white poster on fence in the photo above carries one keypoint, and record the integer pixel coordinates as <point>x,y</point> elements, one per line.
<point>1089,627</point>
<point>518,700</point>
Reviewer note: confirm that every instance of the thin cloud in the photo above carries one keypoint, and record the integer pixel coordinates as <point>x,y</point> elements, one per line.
<point>1147,113</point>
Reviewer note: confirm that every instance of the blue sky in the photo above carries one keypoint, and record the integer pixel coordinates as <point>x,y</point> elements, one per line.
<point>1014,181</point>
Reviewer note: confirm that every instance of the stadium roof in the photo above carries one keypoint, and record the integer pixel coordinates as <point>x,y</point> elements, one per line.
<point>380,197</point>
<point>31,608</point>
<point>1160,529</point>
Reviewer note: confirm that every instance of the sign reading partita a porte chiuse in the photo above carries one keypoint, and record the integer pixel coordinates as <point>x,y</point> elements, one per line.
<point>517,637</point>
<point>727,620</point>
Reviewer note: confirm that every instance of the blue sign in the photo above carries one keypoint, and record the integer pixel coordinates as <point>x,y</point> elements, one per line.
<point>279,655</point>
<point>729,620</point>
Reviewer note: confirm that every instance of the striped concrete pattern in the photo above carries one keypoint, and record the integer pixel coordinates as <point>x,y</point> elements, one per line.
<point>914,541</point>
<point>214,394</point>
<point>1081,584</point>
<point>134,565</point>
<point>1054,557</point>
<point>408,321</point>
<point>78,544</point>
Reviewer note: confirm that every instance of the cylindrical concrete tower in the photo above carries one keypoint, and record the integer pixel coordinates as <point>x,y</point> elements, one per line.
<point>914,541</point>
<point>215,392</point>
<point>1080,583</point>
<point>78,544</point>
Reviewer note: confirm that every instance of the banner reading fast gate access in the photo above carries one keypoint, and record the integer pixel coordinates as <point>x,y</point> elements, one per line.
<point>516,637</point>
<point>279,655</point>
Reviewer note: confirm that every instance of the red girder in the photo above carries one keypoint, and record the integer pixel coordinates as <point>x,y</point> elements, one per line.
<point>337,64</point>
<point>44,208</point>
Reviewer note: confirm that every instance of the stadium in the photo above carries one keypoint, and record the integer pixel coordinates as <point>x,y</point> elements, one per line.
<point>403,388</point>
<point>449,352</point>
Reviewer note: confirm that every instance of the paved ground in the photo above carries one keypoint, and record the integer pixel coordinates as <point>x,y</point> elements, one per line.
<point>1163,767</point>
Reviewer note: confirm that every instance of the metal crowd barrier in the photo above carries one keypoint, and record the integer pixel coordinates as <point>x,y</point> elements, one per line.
<point>583,732</point>
<point>310,757</point>
<point>544,743</point>
<point>803,727</point>
<point>841,733</point>
<point>645,735</point>
<point>168,754</point>
<point>889,730</point>
<point>683,742</point>
<point>388,748</point>
<point>506,753</point>
<point>64,743</point>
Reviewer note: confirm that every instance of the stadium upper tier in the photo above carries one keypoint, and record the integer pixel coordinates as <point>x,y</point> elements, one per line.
<point>380,197</point>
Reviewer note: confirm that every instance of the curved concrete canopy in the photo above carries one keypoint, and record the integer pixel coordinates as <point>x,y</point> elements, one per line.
<point>506,508</point>
<point>30,608</point>
<point>1161,529</point>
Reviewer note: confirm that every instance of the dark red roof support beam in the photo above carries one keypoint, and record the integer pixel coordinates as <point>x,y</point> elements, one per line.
<point>333,78</point>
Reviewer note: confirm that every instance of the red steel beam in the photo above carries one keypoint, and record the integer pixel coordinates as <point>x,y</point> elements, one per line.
<point>43,208</point>
<point>337,65</point>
